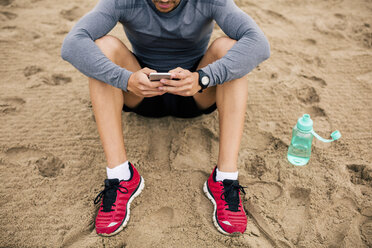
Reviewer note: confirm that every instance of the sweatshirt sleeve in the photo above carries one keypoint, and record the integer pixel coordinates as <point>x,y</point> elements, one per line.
<point>251,48</point>
<point>79,48</point>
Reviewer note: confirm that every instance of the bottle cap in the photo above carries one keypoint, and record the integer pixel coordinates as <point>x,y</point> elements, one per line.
<point>336,135</point>
<point>304,123</point>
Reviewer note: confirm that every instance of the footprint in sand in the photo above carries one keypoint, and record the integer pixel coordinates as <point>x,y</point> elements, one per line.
<point>315,111</point>
<point>308,95</point>
<point>265,140</point>
<point>72,14</point>
<point>6,15</point>
<point>319,81</point>
<point>79,236</point>
<point>360,174</point>
<point>47,164</point>
<point>278,16</point>
<point>332,26</point>
<point>296,216</point>
<point>338,224</point>
<point>321,120</point>
<point>338,22</point>
<point>10,27</point>
<point>278,145</point>
<point>366,232</point>
<point>310,45</point>
<point>154,228</point>
<point>256,166</point>
<point>31,70</point>
<point>310,42</point>
<point>192,139</point>
<point>362,33</point>
<point>366,225</point>
<point>5,2</point>
<point>56,79</point>
<point>267,126</point>
<point>10,104</point>
<point>269,191</point>
<point>166,214</point>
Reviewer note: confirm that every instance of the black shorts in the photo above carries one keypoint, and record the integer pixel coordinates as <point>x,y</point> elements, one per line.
<point>169,104</point>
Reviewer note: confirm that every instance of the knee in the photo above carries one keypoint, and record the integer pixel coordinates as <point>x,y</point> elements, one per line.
<point>111,46</point>
<point>221,46</point>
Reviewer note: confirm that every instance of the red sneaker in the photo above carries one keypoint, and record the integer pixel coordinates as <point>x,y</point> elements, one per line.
<point>228,215</point>
<point>114,212</point>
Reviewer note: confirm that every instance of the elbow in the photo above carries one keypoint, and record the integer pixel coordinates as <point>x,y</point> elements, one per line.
<point>265,50</point>
<point>66,49</point>
<point>261,45</point>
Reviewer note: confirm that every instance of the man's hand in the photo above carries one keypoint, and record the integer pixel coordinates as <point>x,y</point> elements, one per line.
<point>186,85</point>
<point>140,84</point>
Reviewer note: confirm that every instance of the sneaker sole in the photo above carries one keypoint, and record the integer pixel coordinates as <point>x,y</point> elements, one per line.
<point>215,222</point>
<point>126,219</point>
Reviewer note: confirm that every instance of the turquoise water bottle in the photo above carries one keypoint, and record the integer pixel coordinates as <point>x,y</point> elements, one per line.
<point>299,151</point>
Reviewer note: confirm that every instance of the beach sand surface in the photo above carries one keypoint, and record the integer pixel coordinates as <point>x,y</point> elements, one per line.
<point>52,164</point>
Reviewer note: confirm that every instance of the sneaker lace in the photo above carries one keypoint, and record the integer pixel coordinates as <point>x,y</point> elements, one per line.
<point>109,195</point>
<point>231,194</point>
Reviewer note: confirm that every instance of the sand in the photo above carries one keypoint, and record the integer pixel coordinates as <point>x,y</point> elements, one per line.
<point>52,164</point>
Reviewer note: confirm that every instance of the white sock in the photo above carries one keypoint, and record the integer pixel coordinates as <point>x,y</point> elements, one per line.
<point>120,172</point>
<point>220,176</point>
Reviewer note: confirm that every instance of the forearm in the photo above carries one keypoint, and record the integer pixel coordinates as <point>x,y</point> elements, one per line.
<point>242,58</point>
<point>251,48</point>
<point>80,50</point>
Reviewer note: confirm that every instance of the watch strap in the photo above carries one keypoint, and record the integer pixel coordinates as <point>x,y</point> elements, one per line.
<point>201,75</point>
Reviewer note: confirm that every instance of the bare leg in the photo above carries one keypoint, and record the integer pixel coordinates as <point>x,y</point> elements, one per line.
<point>108,101</point>
<point>231,98</point>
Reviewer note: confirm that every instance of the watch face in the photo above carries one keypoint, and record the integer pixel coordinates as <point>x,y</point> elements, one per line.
<point>205,80</point>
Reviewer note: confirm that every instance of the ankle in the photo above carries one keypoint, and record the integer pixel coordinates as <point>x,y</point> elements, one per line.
<point>121,172</point>
<point>227,166</point>
<point>112,163</point>
<point>222,175</point>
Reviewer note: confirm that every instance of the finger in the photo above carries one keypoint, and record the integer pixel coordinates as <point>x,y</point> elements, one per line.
<point>183,90</point>
<point>147,70</point>
<point>169,89</point>
<point>181,75</point>
<point>150,85</point>
<point>176,75</point>
<point>174,72</point>
<point>178,69</point>
<point>174,83</point>
<point>146,84</point>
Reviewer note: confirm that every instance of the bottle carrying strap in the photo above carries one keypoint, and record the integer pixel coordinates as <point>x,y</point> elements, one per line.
<point>335,136</point>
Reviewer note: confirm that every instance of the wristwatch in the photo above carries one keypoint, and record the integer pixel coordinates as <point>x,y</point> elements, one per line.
<point>203,80</point>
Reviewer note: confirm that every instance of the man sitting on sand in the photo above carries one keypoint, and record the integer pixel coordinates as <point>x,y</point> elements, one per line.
<point>167,36</point>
